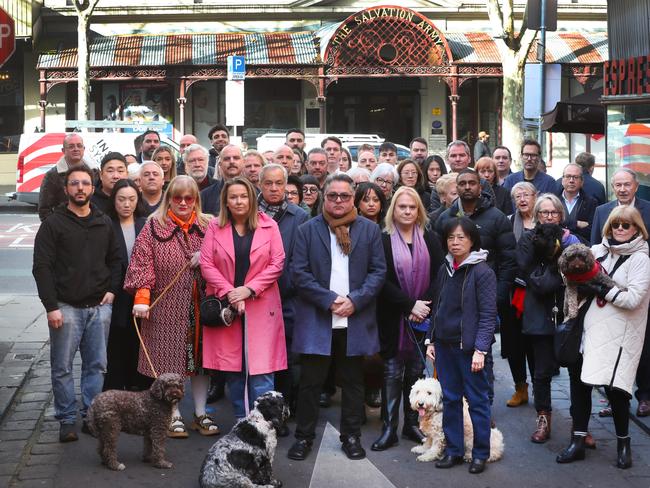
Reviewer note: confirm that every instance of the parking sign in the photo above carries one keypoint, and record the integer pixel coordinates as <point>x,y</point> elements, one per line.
<point>236,68</point>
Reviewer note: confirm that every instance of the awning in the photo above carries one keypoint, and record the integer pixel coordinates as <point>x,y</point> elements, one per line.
<point>582,114</point>
<point>270,48</point>
<point>561,48</point>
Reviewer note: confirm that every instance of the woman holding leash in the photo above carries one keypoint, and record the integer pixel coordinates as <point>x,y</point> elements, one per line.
<point>614,328</point>
<point>163,274</point>
<point>413,256</point>
<point>242,258</point>
<point>461,333</point>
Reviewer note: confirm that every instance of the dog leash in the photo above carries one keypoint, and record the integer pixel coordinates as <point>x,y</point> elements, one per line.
<point>135,323</point>
<point>416,344</point>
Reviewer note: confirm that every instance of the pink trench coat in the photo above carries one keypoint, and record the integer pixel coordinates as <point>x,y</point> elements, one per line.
<point>222,346</point>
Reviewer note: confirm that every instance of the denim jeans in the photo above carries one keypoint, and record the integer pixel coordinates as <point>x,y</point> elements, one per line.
<point>86,330</point>
<point>258,384</point>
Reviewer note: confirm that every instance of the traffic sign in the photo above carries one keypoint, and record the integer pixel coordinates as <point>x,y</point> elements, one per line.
<point>7,36</point>
<point>234,103</point>
<point>236,68</point>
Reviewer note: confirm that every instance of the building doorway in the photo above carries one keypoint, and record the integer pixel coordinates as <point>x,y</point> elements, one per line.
<point>389,107</point>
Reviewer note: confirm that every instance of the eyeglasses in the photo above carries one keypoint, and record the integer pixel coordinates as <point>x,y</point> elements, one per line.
<point>529,156</point>
<point>309,190</point>
<point>549,213</point>
<point>523,196</point>
<point>180,199</point>
<point>382,182</point>
<point>80,182</point>
<point>291,193</point>
<point>572,177</point>
<point>624,225</point>
<point>333,197</point>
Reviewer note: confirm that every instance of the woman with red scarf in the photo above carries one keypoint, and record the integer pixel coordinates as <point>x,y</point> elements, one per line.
<point>413,255</point>
<point>168,244</point>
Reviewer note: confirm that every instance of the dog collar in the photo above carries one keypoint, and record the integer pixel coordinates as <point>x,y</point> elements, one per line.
<point>584,277</point>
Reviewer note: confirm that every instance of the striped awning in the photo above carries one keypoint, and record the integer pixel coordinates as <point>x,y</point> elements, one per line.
<point>271,48</point>
<point>561,47</point>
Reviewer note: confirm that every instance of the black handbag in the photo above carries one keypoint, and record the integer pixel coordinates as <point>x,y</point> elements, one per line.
<point>568,336</point>
<point>216,312</point>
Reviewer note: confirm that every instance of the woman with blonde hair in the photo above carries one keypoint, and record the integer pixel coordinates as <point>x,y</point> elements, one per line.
<point>614,329</point>
<point>242,258</point>
<point>165,158</point>
<point>164,270</point>
<point>413,255</point>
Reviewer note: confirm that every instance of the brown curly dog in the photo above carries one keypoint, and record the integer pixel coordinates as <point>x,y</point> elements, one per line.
<point>146,413</point>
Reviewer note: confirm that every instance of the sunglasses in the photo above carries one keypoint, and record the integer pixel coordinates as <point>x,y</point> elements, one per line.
<point>177,199</point>
<point>333,197</point>
<point>624,225</point>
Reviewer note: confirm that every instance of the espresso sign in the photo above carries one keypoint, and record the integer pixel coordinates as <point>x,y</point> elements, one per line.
<point>385,13</point>
<point>629,76</point>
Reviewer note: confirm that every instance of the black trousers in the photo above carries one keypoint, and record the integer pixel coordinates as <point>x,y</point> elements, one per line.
<point>286,381</point>
<point>122,360</point>
<point>643,370</point>
<point>516,348</point>
<point>313,372</point>
<point>581,403</point>
<point>544,368</point>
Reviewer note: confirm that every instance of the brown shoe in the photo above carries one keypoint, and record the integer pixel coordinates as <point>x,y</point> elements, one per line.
<point>590,442</point>
<point>644,408</point>
<point>543,431</point>
<point>520,396</point>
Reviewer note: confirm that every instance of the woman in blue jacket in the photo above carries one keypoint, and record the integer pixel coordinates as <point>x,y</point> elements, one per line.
<point>461,333</point>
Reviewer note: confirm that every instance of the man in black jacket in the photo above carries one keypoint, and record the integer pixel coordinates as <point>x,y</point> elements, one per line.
<point>579,208</point>
<point>77,272</point>
<point>496,237</point>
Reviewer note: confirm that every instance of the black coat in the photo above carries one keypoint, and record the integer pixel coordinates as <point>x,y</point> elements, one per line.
<point>123,303</point>
<point>503,199</point>
<point>496,238</point>
<point>211,198</point>
<point>584,211</point>
<point>393,303</point>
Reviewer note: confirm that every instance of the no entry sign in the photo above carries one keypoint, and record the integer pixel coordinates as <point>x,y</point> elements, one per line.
<point>7,37</point>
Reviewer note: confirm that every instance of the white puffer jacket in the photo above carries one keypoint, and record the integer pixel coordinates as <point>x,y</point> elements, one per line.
<point>613,335</point>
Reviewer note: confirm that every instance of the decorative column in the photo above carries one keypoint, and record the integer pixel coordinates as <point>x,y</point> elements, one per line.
<point>453,84</point>
<point>42,103</point>
<point>181,107</point>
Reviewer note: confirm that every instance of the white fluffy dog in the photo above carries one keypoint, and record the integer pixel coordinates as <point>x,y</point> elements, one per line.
<point>426,399</point>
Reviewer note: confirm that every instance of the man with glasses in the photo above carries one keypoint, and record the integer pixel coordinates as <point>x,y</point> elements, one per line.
<point>52,191</point>
<point>184,142</point>
<point>579,208</point>
<point>77,269</point>
<point>338,269</point>
<point>273,202</point>
<point>531,153</point>
<point>625,184</point>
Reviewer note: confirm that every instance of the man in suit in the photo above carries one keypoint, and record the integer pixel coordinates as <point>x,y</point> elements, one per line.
<point>338,269</point>
<point>625,185</point>
<point>273,202</point>
<point>579,207</point>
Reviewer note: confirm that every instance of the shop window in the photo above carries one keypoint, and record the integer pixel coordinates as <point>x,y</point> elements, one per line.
<point>628,142</point>
<point>207,108</point>
<point>12,109</point>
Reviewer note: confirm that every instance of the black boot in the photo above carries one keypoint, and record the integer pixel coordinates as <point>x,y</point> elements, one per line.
<point>217,385</point>
<point>391,393</point>
<point>411,429</point>
<point>624,453</point>
<point>574,452</point>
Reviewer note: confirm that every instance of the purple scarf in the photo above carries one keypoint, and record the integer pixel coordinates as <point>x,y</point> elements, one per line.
<point>412,270</point>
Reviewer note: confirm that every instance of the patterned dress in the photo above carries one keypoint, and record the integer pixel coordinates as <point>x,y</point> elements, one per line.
<point>170,333</point>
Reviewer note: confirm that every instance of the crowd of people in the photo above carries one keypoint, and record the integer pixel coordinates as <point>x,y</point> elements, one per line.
<point>346,275</point>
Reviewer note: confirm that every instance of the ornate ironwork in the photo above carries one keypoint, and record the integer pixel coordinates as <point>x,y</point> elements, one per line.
<point>385,70</point>
<point>392,38</point>
<point>584,74</point>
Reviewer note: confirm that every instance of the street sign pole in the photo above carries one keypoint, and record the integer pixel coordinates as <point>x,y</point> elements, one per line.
<point>235,92</point>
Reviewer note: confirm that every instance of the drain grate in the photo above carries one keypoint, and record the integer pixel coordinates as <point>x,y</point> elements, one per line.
<point>24,357</point>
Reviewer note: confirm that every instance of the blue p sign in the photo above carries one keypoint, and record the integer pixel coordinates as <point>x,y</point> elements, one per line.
<point>236,68</point>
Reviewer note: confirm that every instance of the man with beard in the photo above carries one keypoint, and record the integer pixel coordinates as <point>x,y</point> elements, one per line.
<point>196,165</point>
<point>219,138</point>
<point>496,237</point>
<point>273,202</point>
<point>317,162</point>
<point>419,150</point>
<point>295,139</point>
<point>77,271</point>
<point>150,142</point>
<point>231,164</point>
<point>531,152</point>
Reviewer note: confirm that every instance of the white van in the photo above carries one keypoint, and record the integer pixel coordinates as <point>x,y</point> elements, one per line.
<point>272,140</point>
<point>40,151</point>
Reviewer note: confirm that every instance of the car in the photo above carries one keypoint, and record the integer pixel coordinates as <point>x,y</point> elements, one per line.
<point>403,152</point>
<point>272,140</point>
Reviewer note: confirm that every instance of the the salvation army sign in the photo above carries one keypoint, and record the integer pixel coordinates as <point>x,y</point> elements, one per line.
<point>7,37</point>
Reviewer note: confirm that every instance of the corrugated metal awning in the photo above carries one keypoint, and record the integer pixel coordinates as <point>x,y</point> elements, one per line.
<point>561,47</point>
<point>271,48</point>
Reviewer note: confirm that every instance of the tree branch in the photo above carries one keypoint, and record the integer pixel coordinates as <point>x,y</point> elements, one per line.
<point>526,43</point>
<point>508,18</point>
<point>495,15</point>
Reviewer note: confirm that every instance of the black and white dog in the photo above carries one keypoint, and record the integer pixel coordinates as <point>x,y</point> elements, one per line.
<point>244,456</point>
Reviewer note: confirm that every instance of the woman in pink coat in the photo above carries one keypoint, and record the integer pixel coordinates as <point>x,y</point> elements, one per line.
<point>242,258</point>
